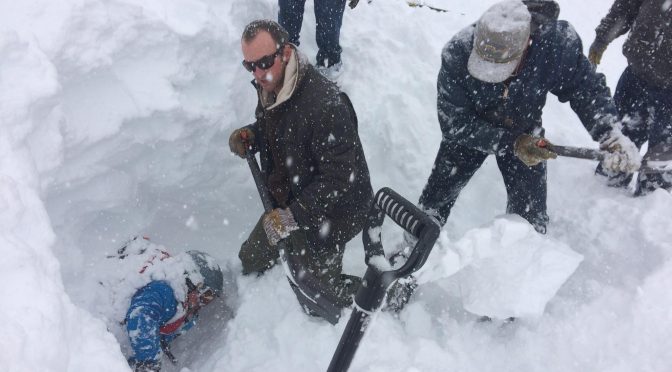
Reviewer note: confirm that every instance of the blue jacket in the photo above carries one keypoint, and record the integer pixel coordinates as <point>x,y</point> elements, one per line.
<point>489,117</point>
<point>152,307</point>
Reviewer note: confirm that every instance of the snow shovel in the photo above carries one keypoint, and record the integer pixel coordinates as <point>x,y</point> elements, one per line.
<point>378,280</point>
<point>313,297</point>
<point>656,160</point>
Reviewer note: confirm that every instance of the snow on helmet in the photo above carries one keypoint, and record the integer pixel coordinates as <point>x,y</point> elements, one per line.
<point>209,270</point>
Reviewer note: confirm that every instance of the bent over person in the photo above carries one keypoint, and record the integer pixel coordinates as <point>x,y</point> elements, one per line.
<point>492,88</point>
<point>644,92</point>
<point>311,157</point>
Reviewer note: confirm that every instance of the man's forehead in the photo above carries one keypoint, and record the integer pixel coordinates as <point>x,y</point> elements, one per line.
<point>262,41</point>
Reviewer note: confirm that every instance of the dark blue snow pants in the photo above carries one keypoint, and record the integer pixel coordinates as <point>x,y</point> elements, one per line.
<point>455,165</point>
<point>328,16</point>
<point>646,112</point>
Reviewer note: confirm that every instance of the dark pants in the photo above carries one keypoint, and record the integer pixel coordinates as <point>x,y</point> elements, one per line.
<point>646,113</point>
<point>455,165</point>
<point>324,261</point>
<point>329,17</point>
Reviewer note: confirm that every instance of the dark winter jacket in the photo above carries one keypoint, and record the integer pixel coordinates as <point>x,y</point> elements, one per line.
<point>312,155</point>
<point>649,45</point>
<point>489,116</point>
<point>152,309</point>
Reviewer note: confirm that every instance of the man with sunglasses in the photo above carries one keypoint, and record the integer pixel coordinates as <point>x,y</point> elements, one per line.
<point>168,305</point>
<point>492,87</point>
<point>311,156</point>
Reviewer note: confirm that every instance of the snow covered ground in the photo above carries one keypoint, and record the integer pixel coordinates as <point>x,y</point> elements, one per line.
<point>115,118</point>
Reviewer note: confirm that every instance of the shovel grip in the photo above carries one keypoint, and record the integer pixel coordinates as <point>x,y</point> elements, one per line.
<point>577,152</point>
<point>405,214</point>
<point>400,210</point>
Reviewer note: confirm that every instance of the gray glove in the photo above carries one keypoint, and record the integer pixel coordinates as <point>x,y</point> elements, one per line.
<point>622,155</point>
<point>278,223</point>
<point>532,150</point>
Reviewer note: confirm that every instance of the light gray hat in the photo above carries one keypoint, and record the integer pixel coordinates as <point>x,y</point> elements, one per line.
<point>500,39</point>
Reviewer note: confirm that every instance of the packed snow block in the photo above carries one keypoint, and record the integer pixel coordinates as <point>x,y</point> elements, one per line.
<point>510,270</point>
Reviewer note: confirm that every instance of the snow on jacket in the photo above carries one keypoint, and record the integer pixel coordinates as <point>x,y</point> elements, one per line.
<point>152,308</point>
<point>489,116</point>
<point>311,153</point>
<point>648,48</point>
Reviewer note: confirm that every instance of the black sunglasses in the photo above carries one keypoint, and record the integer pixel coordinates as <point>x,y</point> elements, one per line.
<point>263,63</point>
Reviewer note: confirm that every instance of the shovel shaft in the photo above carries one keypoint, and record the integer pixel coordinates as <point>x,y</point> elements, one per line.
<point>347,346</point>
<point>259,182</point>
<point>649,165</point>
<point>577,152</point>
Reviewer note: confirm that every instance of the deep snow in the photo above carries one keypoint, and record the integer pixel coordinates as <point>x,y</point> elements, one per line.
<point>115,118</point>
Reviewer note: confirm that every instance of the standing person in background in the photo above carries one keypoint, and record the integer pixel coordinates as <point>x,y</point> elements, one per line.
<point>492,87</point>
<point>329,17</point>
<point>644,91</point>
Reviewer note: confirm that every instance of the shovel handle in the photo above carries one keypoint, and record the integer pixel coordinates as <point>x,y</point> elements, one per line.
<point>648,165</point>
<point>259,181</point>
<point>401,211</point>
<point>576,152</point>
<point>415,221</point>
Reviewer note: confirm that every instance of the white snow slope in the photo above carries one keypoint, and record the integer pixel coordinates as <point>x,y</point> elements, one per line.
<point>115,118</point>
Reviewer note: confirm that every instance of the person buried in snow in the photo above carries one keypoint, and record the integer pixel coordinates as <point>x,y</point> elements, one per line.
<point>175,289</point>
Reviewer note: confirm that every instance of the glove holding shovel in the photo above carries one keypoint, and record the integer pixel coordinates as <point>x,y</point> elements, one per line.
<point>241,141</point>
<point>532,150</point>
<point>622,156</point>
<point>278,223</point>
<point>618,154</point>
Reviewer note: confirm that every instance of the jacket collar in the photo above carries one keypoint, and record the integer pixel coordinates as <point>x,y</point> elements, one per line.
<point>294,72</point>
